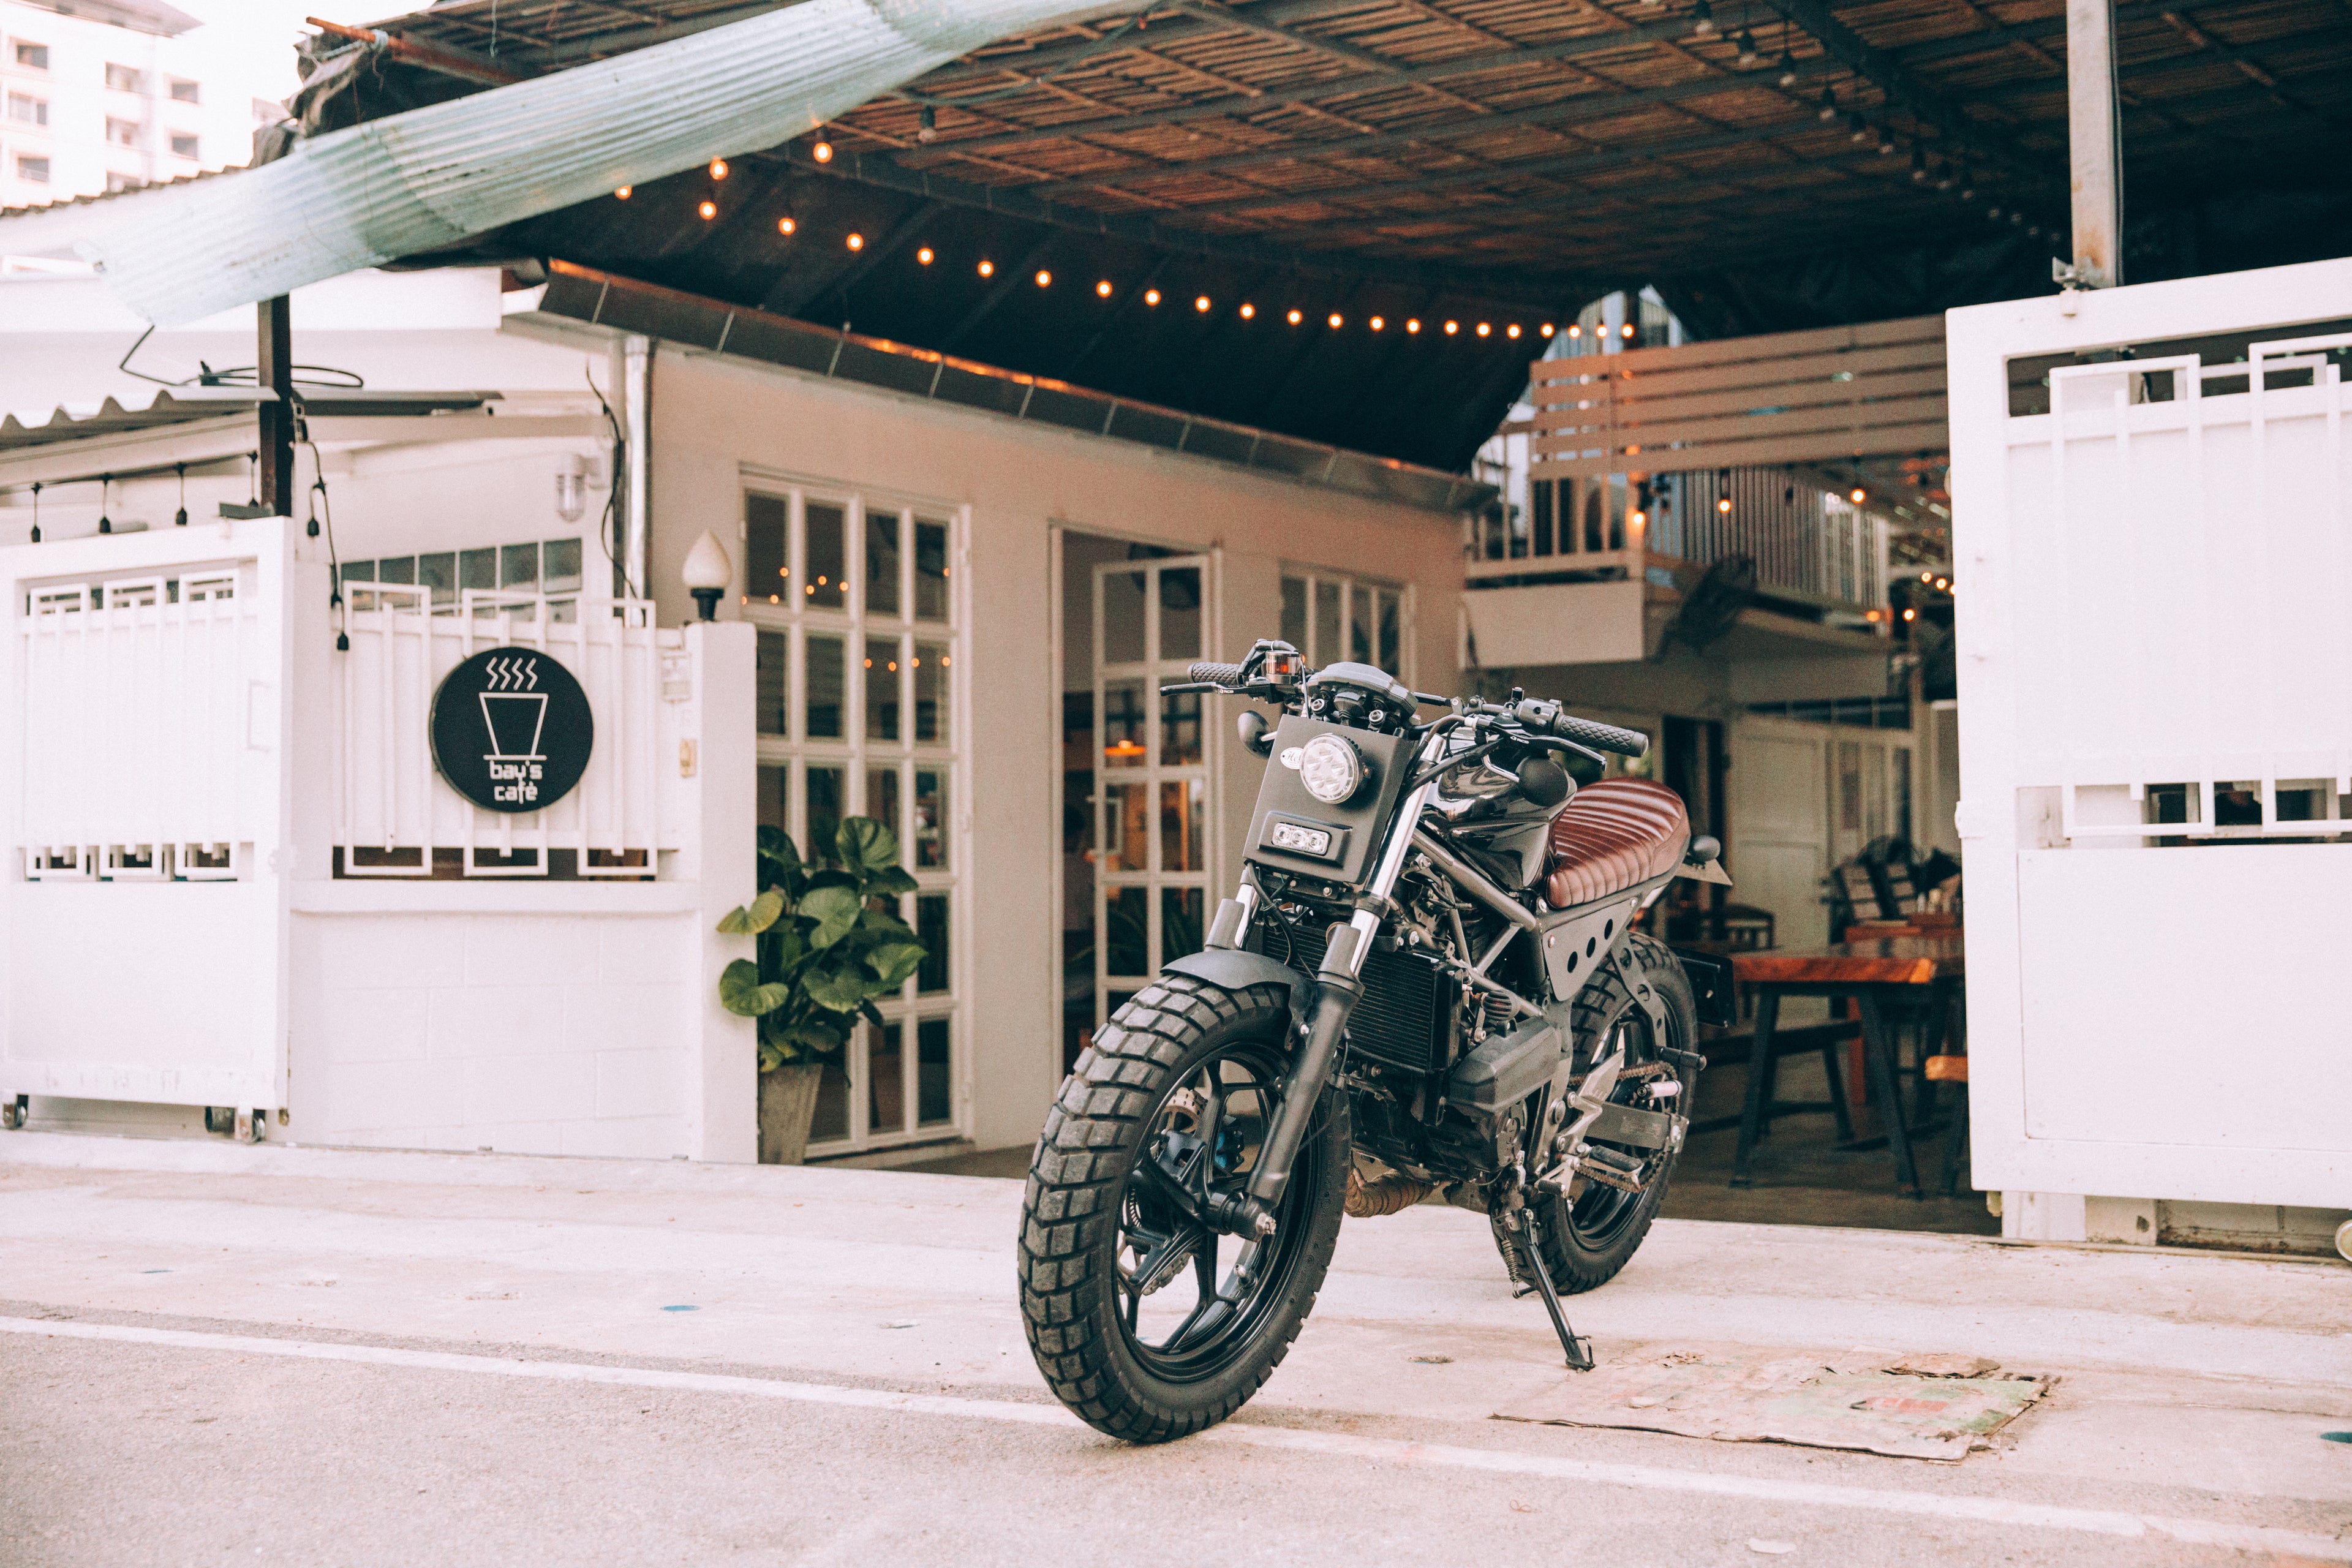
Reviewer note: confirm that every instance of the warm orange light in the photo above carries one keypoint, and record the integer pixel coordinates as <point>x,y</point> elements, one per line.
<point>822,151</point>
<point>1452,327</point>
<point>1627,329</point>
<point>1870,615</point>
<point>1045,279</point>
<point>1638,519</point>
<point>1124,749</point>
<point>1412,324</point>
<point>1857,495</point>
<point>924,255</point>
<point>1249,312</point>
<point>1201,304</point>
<point>1545,329</point>
<point>719,168</point>
<point>1296,318</point>
<point>1512,331</point>
<point>1376,323</point>
<point>1723,504</point>
<point>1575,330</point>
<point>1943,583</point>
<point>1910,614</point>
<point>708,209</point>
<point>1485,330</point>
<point>1152,296</point>
<point>785,225</point>
<point>623,192</point>
<point>855,242</point>
<point>988,269</point>
<point>1103,289</point>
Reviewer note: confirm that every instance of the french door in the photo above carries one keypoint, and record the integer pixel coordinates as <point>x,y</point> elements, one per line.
<point>1150,754</point>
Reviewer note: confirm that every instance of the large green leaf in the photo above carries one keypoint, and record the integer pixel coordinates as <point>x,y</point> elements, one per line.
<point>765,910</point>
<point>776,845</point>
<point>740,992</point>
<point>838,989</point>
<point>893,962</point>
<point>864,844</point>
<point>889,880</point>
<point>736,922</point>
<point>835,911</point>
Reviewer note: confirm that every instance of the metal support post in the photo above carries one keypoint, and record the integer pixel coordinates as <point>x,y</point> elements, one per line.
<point>273,368</point>
<point>2094,141</point>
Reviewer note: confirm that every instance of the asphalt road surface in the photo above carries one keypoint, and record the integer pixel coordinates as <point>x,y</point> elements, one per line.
<point>210,1354</point>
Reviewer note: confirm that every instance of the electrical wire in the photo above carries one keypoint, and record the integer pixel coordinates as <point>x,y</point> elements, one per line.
<point>321,501</point>
<point>240,375</point>
<point>608,527</point>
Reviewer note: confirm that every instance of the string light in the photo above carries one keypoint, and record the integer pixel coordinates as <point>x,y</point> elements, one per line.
<point>1788,68</point>
<point>1201,304</point>
<point>1296,318</point>
<point>1378,323</point>
<point>987,269</point>
<point>1045,279</point>
<point>822,151</point>
<point>924,255</point>
<point>1885,141</point>
<point>928,124</point>
<point>1452,327</point>
<point>1828,111</point>
<point>1512,331</point>
<point>1484,329</point>
<point>1748,54</point>
<point>1102,289</point>
<point>719,168</point>
<point>1576,329</point>
<point>1545,329</point>
<point>1334,320</point>
<point>1857,495</point>
<point>709,210</point>
<point>786,226</point>
<point>1723,504</point>
<point>623,192</point>
<point>1412,324</point>
<point>855,242</point>
<point>1703,20</point>
<point>1152,296</point>
<point>1249,312</point>
<point>1626,330</point>
<point>1857,129</point>
<point>1910,614</point>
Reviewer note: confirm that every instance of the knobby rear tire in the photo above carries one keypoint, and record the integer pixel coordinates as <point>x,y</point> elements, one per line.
<point>1070,1296</point>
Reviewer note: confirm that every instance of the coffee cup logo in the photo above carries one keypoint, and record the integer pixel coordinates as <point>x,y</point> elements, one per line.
<point>511,730</point>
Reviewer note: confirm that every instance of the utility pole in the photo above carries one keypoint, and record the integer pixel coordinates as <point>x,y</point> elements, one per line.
<point>2094,144</point>
<point>273,370</point>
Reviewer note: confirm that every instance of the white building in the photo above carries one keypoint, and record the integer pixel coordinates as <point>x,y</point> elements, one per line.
<point>103,95</point>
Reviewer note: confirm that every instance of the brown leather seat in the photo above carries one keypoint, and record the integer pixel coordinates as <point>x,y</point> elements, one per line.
<point>1611,834</point>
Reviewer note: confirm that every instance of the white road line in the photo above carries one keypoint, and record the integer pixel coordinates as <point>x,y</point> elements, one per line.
<point>1974,1510</point>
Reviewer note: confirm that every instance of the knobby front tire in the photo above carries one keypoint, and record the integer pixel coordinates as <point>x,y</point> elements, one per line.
<point>1182,1058</point>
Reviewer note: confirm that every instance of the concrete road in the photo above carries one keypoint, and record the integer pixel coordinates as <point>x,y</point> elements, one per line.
<point>215,1354</point>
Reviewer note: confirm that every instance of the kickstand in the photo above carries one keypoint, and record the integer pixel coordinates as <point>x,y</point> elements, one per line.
<point>1580,1351</point>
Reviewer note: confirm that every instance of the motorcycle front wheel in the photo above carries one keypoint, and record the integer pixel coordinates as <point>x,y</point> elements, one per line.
<point>1147,1323</point>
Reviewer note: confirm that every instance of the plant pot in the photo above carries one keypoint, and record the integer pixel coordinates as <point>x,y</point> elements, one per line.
<point>787,1107</point>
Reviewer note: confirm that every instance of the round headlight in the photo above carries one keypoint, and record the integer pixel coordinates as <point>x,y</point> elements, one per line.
<point>1331,769</point>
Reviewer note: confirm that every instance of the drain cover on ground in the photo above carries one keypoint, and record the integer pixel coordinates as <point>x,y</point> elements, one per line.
<point>1739,1394</point>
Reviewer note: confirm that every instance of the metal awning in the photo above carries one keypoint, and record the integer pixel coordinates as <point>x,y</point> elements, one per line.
<point>24,429</point>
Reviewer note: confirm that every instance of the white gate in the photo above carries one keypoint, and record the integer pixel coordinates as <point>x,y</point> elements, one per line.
<point>145,691</point>
<point>2155,719</point>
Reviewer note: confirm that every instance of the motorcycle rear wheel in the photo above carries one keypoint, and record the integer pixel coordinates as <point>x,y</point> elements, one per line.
<point>1186,1080</point>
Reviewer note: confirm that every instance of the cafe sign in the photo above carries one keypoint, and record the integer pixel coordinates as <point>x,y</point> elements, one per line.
<point>511,730</point>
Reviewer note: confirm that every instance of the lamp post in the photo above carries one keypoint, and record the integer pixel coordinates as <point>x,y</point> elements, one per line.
<point>707,573</point>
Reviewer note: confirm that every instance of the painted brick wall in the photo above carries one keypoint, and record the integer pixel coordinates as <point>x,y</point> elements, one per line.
<point>538,1034</point>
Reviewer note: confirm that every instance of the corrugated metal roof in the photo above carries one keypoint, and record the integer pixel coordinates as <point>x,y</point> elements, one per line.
<point>601,298</point>
<point>23,429</point>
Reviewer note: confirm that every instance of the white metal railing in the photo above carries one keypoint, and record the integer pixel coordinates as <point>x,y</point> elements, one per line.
<point>2185,512</point>
<point>148,713</point>
<point>394,818</point>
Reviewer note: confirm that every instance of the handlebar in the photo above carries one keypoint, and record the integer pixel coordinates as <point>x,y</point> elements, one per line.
<point>1549,719</point>
<point>1217,674</point>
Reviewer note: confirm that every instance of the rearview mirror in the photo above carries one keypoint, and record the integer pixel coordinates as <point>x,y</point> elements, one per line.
<point>1252,725</point>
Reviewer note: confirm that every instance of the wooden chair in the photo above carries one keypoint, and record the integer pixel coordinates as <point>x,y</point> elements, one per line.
<point>1953,1069</point>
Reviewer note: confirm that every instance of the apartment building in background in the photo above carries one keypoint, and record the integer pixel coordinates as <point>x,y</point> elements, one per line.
<point>104,95</point>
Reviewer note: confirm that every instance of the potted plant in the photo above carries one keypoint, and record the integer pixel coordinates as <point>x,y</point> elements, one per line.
<point>828,945</point>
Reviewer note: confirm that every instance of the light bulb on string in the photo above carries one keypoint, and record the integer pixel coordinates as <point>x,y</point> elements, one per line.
<point>787,225</point>
<point>928,124</point>
<point>822,151</point>
<point>1919,164</point>
<point>1512,331</point>
<point>719,168</point>
<point>1723,504</point>
<point>1152,296</point>
<point>180,518</point>
<point>1576,329</point>
<point>1452,327</point>
<point>1334,320</point>
<point>1857,129</point>
<point>1703,20</point>
<point>1545,330</point>
<point>1102,289</point>
<point>855,242</point>
<point>1484,329</point>
<point>709,210</point>
<point>105,484</point>
<point>36,512</point>
<point>1787,69</point>
<point>1201,304</point>
<point>987,267</point>
<point>1295,316</point>
<point>1828,111</point>
<point>1412,324</point>
<point>1249,312</point>
<point>926,256</point>
<point>1626,330</point>
<point>1748,54</point>
<point>1885,141</point>
<point>1045,279</point>
<point>623,193</point>
<point>1376,322</point>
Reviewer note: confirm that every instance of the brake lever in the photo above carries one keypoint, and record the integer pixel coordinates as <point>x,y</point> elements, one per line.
<point>1562,744</point>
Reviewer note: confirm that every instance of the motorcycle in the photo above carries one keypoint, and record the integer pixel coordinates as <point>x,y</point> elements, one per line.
<point>1429,983</point>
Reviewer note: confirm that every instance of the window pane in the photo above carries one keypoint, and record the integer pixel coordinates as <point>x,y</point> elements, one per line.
<point>930,571</point>
<point>881,563</point>
<point>359,570</point>
<point>1129,939</point>
<point>477,569</point>
<point>881,689</point>
<point>932,928</point>
<point>1294,611</point>
<point>1326,624</point>
<point>827,587</point>
<point>1180,923</point>
<point>930,819</point>
<point>1180,612</point>
<point>559,565</point>
<point>773,808</point>
<point>519,566</point>
<point>440,573</point>
<point>931,694</point>
<point>401,569</point>
<point>886,1080</point>
<point>1123,600</point>
<point>767,548</point>
<point>825,787</point>
<point>1359,626</point>
<point>824,671</point>
<point>934,1073</point>
<point>1180,728</point>
<point>832,1119</point>
<point>1127,827</point>
<point>774,684</point>
<point>1181,848</point>
<point>1392,642</point>
<point>882,798</point>
<point>1123,725</point>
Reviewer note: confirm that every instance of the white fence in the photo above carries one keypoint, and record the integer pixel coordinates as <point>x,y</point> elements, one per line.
<point>394,813</point>
<point>2152,581</point>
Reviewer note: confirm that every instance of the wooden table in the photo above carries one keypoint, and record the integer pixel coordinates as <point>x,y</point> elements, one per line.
<point>1901,969</point>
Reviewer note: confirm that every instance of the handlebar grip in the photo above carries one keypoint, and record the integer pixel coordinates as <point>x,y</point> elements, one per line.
<point>1223,674</point>
<point>1601,737</point>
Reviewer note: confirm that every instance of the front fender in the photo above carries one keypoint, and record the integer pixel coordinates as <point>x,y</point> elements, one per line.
<point>1236,970</point>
